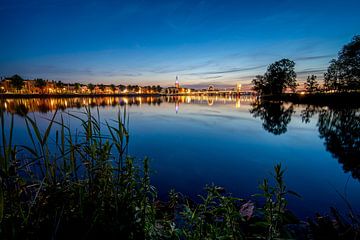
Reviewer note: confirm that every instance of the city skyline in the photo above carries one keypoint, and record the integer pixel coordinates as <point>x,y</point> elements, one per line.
<point>149,43</point>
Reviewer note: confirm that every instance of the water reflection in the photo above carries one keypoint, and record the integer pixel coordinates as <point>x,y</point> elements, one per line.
<point>23,106</point>
<point>275,115</point>
<point>340,128</point>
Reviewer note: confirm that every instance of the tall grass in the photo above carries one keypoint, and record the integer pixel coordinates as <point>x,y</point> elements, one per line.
<point>81,184</point>
<point>70,181</point>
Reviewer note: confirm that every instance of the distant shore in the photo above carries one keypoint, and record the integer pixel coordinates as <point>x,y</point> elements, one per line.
<point>322,99</point>
<point>73,95</point>
<point>352,98</point>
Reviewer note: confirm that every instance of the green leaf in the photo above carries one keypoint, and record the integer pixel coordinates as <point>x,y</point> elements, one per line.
<point>294,193</point>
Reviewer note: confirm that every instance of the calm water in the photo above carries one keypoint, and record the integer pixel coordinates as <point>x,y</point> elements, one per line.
<point>233,143</point>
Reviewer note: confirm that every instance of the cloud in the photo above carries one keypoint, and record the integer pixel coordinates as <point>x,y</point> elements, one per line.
<point>305,58</point>
<point>219,84</point>
<point>170,69</point>
<point>213,77</point>
<point>311,71</point>
<point>230,70</point>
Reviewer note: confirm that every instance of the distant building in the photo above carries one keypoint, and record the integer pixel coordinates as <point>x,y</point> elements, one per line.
<point>5,85</point>
<point>172,90</point>
<point>238,87</point>
<point>177,85</point>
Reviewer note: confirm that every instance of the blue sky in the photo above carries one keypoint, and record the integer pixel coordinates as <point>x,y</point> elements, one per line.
<point>150,42</point>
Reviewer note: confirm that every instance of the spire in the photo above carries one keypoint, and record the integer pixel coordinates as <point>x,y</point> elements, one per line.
<point>177,85</point>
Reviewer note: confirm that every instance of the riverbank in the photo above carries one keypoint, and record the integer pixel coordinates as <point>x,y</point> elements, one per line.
<point>321,99</point>
<point>73,95</point>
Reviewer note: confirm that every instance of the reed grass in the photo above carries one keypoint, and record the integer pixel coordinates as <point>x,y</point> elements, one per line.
<point>81,184</point>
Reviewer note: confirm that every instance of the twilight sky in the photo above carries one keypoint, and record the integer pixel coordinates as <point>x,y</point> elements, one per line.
<point>150,42</point>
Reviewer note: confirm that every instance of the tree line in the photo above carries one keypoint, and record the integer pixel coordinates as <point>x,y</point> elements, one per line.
<point>342,75</point>
<point>18,83</point>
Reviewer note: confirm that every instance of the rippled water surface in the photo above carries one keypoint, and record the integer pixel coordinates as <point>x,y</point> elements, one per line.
<point>194,141</point>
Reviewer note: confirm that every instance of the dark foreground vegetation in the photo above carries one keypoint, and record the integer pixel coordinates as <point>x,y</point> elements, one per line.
<point>80,184</point>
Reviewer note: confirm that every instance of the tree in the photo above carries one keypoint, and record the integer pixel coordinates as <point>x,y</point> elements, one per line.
<point>77,86</point>
<point>59,84</point>
<point>122,87</point>
<point>112,86</point>
<point>17,82</point>
<point>155,89</point>
<point>343,74</point>
<point>260,85</point>
<point>279,76</point>
<point>102,87</point>
<point>91,87</point>
<point>40,83</point>
<point>311,84</point>
<point>133,88</point>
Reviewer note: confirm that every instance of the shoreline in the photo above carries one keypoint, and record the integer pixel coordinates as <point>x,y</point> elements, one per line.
<point>74,95</point>
<point>320,99</point>
<point>71,95</point>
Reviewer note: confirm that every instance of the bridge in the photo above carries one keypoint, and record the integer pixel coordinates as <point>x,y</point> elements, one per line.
<point>222,93</point>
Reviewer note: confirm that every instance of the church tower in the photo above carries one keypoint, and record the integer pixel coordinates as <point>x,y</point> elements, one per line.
<point>177,85</point>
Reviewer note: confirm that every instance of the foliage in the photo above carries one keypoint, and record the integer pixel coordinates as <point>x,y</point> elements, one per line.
<point>335,226</point>
<point>217,216</point>
<point>77,86</point>
<point>59,84</point>
<point>17,82</point>
<point>279,76</point>
<point>311,84</point>
<point>86,187</point>
<point>91,87</point>
<point>122,87</point>
<point>112,87</point>
<point>274,210</point>
<point>82,184</point>
<point>40,83</point>
<point>260,85</point>
<point>343,74</point>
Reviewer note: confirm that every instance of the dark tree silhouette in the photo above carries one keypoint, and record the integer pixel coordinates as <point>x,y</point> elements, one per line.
<point>311,84</point>
<point>308,113</point>
<point>102,87</point>
<point>91,87</point>
<point>77,87</point>
<point>112,86</point>
<point>17,82</point>
<point>340,128</point>
<point>122,87</point>
<point>279,76</point>
<point>274,115</point>
<point>40,83</point>
<point>59,84</point>
<point>343,74</point>
<point>260,85</point>
<point>136,88</point>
